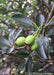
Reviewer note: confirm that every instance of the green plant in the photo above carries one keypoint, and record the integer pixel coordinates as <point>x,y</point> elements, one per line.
<point>35,21</point>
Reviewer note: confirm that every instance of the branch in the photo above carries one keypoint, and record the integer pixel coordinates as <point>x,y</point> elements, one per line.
<point>19,48</point>
<point>10,54</point>
<point>44,4</point>
<point>43,60</point>
<point>4,22</point>
<point>46,66</point>
<point>50,16</point>
<point>41,8</point>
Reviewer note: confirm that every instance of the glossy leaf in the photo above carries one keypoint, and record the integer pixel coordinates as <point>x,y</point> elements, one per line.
<point>46,45</point>
<point>40,19</point>
<point>41,52</point>
<point>22,19</point>
<point>43,47</point>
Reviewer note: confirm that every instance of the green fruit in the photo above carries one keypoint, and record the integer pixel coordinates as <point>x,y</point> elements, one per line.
<point>21,72</point>
<point>20,41</point>
<point>34,46</point>
<point>30,39</point>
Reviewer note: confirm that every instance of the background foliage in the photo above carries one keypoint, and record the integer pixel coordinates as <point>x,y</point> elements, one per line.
<point>22,18</point>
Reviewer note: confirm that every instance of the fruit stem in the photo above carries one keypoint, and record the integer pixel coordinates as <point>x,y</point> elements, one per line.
<point>28,48</point>
<point>48,23</point>
<point>35,24</point>
<point>40,28</point>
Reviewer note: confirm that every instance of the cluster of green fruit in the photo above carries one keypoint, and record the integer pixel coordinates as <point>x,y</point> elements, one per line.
<point>29,40</point>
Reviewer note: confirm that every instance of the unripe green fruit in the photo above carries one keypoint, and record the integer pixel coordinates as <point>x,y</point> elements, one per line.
<point>30,39</point>
<point>34,46</point>
<point>21,72</point>
<point>20,41</point>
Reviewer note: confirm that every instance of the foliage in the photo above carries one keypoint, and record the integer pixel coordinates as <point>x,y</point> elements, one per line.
<point>22,18</point>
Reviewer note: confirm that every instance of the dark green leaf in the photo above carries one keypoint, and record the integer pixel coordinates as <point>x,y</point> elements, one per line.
<point>46,45</point>
<point>40,19</point>
<point>41,52</point>
<point>22,19</point>
<point>43,47</point>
